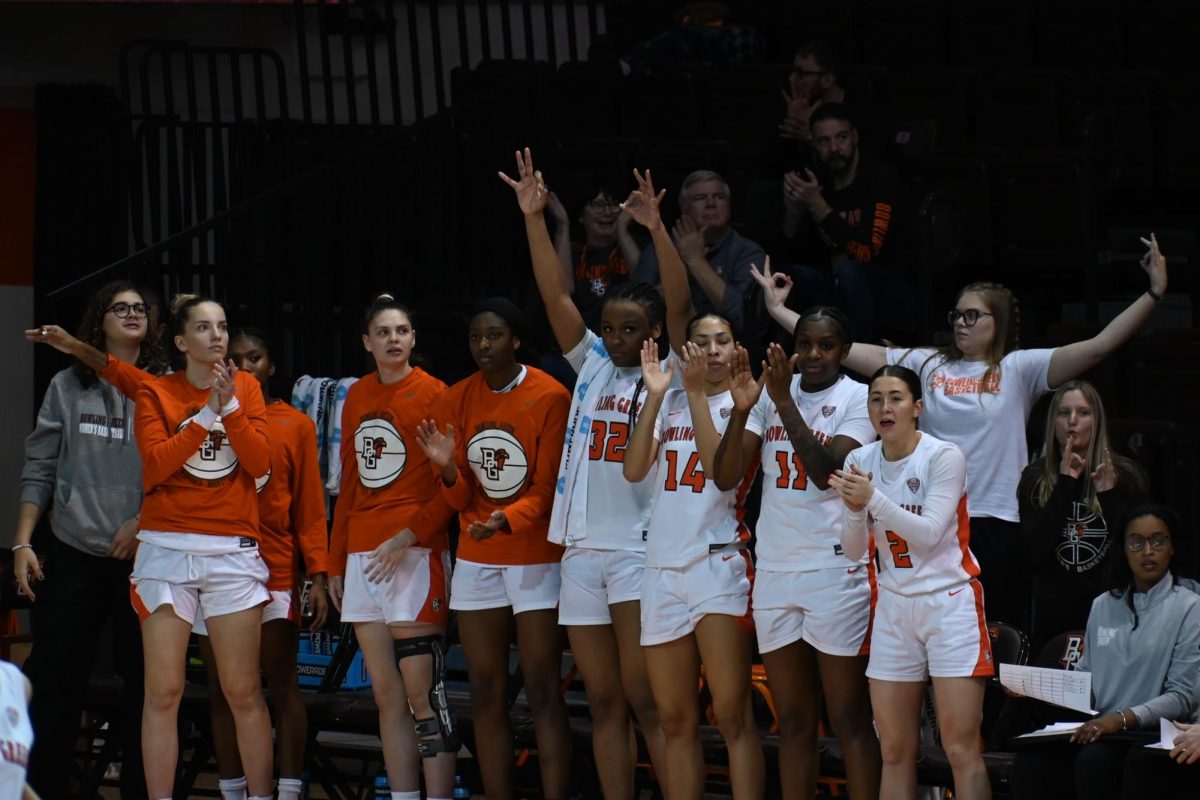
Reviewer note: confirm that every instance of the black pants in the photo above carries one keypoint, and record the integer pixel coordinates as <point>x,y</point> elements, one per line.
<point>79,594</point>
<point>1005,579</point>
<point>1061,770</point>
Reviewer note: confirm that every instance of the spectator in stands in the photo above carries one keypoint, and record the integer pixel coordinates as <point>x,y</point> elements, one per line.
<point>848,210</point>
<point>602,261</point>
<point>1142,649</point>
<point>81,462</point>
<point>1068,499</point>
<point>717,257</point>
<point>814,82</point>
<point>701,32</point>
<point>979,390</point>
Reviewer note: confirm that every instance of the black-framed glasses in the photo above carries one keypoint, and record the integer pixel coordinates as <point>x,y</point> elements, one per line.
<point>123,310</point>
<point>969,317</point>
<point>1135,542</point>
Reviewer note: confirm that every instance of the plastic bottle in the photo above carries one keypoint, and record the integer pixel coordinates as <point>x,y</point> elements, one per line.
<point>383,788</point>
<point>461,792</point>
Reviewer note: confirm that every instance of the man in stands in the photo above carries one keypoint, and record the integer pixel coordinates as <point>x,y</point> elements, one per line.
<point>813,83</point>
<point>847,211</point>
<point>717,257</point>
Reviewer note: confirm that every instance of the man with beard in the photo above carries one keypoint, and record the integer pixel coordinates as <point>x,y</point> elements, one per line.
<point>717,257</point>
<point>847,209</point>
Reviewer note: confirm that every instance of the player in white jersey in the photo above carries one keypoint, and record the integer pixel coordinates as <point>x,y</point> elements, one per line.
<point>598,516</point>
<point>812,605</point>
<point>905,497</point>
<point>16,734</point>
<point>696,591</point>
<point>980,389</point>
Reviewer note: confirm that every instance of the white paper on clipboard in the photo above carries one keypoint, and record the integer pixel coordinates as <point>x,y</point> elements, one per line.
<point>1066,688</point>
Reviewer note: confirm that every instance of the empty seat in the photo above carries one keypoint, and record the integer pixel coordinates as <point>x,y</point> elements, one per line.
<point>900,34</point>
<point>990,36</point>
<point>1078,36</point>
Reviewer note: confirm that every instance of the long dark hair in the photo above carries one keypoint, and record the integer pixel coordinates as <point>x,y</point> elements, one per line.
<point>1120,575</point>
<point>91,331</point>
<point>1006,318</point>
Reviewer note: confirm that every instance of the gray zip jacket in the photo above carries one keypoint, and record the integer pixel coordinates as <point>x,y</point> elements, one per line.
<point>1152,669</point>
<point>82,458</point>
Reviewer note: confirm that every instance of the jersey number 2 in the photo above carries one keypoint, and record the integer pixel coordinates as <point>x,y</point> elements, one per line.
<point>899,547</point>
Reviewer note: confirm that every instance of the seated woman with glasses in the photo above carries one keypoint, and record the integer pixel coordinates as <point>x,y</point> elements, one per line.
<point>979,390</point>
<point>1142,649</point>
<point>595,266</point>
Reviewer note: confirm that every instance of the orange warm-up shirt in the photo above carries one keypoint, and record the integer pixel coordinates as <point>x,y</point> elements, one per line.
<point>197,480</point>
<point>387,482</point>
<point>508,446</point>
<point>291,499</point>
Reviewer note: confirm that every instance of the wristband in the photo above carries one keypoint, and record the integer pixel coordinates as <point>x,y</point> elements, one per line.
<point>17,547</point>
<point>1155,296</point>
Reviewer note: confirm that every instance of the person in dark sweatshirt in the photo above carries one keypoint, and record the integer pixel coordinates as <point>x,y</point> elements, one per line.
<point>1069,499</point>
<point>82,464</point>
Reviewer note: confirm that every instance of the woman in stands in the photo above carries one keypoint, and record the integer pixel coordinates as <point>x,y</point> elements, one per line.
<point>812,605</point>
<point>905,498</point>
<point>388,555</point>
<point>1142,648</point>
<point>595,267</point>
<point>597,515</point>
<point>291,518</point>
<point>497,457</point>
<point>979,390</point>
<point>1069,498</point>
<point>81,460</point>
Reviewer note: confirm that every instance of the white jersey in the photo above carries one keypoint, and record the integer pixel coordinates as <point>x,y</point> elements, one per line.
<point>917,516</point>
<point>615,513</point>
<point>691,516</point>
<point>16,733</point>
<point>800,526</point>
<point>990,427</point>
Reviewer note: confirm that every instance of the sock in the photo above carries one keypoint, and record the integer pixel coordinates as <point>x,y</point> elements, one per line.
<point>232,788</point>
<point>431,797</point>
<point>406,795</point>
<point>290,788</point>
<point>259,797</point>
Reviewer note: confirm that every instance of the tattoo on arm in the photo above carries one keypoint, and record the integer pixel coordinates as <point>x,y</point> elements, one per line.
<point>819,461</point>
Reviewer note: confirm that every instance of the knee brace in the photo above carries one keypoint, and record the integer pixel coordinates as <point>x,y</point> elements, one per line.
<point>435,734</point>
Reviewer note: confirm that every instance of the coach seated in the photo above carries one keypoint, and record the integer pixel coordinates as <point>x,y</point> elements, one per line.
<point>1142,648</point>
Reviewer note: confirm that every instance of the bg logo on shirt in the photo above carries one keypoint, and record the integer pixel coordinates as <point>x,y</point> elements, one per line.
<point>215,458</point>
<point>380,451</point>
<point>498,461</point>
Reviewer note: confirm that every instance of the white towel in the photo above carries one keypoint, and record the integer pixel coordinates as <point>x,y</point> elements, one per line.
<point>333,438</point>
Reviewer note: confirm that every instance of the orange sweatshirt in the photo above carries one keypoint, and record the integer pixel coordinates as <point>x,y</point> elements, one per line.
<point>508,447</point>
<point>387,482</point>
<point>197,480</point>
<point>291,499</point>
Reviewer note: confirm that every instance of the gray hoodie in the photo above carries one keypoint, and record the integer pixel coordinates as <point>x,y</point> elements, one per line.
<point>82,455</point>
<point>1152,669</point>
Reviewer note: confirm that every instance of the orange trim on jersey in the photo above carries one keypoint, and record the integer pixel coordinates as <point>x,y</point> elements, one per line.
<point>969,565</point>
<point>739,508</point>
<point>747,619</point>
<point>436,610</point>
<point>865,650</point>
<point>139,607</point>
<point>984,667</point>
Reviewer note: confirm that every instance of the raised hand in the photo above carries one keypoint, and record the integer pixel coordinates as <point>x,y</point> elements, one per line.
<point>1071,463</point>
<point>776,286</point>
<point>1104,477</point>
<point>689,239</point>
<point>808,188</point>
<point>654,377</point>
<point>854,487</point>
<point>643,202</point>
<point>693,365</point>
<point>558,212</point>
<point>742,386</point>
<point>531,191</point>
<point>222,384</point>
<point>777,373</point>
<point>484,530</point>
<point>52,335</point>
<point>437,446</point>
<point>1155,264</point>
<point>384,560</point>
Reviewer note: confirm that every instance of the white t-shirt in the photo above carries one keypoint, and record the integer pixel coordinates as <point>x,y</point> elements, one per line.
<point>16,733</point>
<point>617,512</point>
<point>917,516</point>
<point>800,526</point>
<point>988,428</point>
<point>691,515</point>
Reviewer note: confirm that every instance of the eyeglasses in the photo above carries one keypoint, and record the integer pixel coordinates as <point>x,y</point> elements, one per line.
<point>969,317</point>
<point>1135,542</point>
<point>602,205</point>
<point>123,310</point>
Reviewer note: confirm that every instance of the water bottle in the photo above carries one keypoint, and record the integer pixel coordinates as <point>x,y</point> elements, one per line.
<point>461,792</point>
<point>383,787</point>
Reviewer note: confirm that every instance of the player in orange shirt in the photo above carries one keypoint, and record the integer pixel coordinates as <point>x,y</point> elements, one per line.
<point>389,558</point>
<point>498,462</point>
<point>291,508</point>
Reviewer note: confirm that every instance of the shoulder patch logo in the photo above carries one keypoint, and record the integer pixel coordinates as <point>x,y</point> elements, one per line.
<point>913,484</point>
<point>827,411</point>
